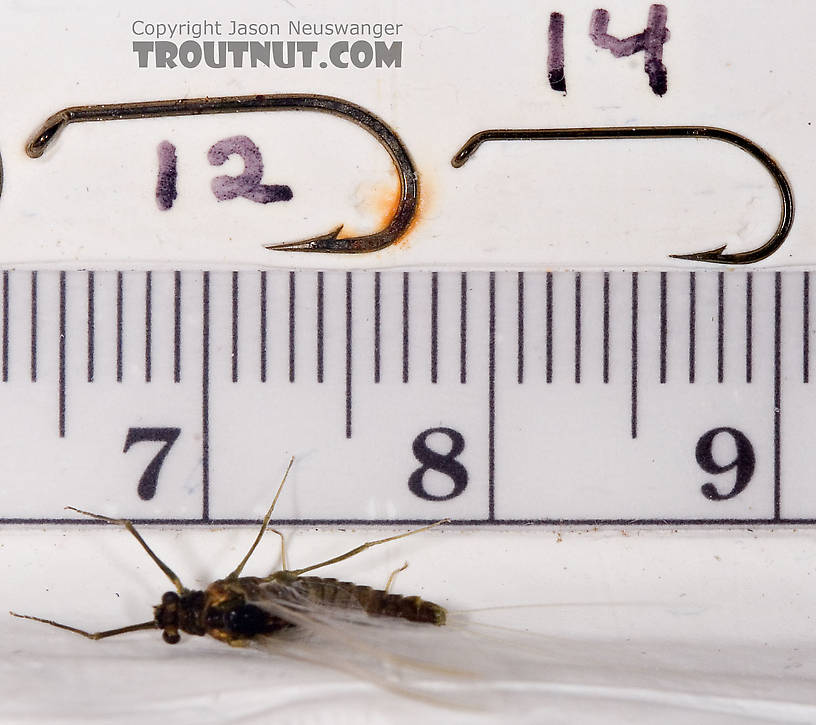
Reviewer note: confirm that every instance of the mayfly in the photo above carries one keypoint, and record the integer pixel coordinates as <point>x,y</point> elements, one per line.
<point>390,640</point>
<point>241,609</point>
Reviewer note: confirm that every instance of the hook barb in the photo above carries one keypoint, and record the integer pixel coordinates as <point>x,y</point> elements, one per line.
<point>325,243</point>
<point>330,242</point>
<point>713,256</point>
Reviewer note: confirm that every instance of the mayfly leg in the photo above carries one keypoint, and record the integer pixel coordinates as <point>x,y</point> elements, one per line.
<point>362,547</point>
<point>90,635</point>
<point>169,573</point>
<point>264,526</point>
<point>393,575</point>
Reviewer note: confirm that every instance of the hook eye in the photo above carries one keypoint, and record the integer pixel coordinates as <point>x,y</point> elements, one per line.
<point>715,255</point>
<point>330,242</point>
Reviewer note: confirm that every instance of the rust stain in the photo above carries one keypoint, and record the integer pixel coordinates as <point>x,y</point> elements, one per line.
<point>380,200</point>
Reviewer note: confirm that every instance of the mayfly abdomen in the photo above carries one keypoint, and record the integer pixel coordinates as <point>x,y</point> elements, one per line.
<point>346,595</point>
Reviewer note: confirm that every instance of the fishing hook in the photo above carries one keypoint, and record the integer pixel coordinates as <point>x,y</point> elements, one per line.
<point>623,132</point>
<point>331,242</point>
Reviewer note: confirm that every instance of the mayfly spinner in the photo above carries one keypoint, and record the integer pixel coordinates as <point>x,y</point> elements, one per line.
<point>238,610</point>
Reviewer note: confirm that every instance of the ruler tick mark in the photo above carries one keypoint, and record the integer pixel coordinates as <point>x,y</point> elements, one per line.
<point>62,333</point>
<point>634,354</point>
<point>805,327</point>
<point>319,351</point>
<point>33,328</point>
<point>235,294</point>
<point>606,327</point>
<point>664,324</point>
<point>405,323</point>
<point>692,324</point>
<point>5,325</point>
<point>749,326</point>
<point>148,363</point>
<point>292,326</point>
<point>262,332</point>
<point>463,288</point>
<point>520,328</point>
<point>235,299</point>
<point>348,352</point>
<point>120,293</point>
<point>177,326</point>
<point>577,327</point>
<point>549,319</point>
<point>720,326</point>
<point>377,314</point>
<point>205,396</point>
<point>491,399</point>
<point>91,325</point>
<point>434,325</point>
<point>777,412</point>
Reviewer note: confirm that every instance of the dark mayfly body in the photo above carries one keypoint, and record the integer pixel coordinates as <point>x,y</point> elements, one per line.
<point>238,610</point>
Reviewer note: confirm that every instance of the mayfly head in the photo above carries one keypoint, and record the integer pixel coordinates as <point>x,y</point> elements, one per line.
<point>180,612</point>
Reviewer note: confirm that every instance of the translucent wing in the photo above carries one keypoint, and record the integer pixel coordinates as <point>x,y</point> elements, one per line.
<point>390,652</point>
<point>473,666</point>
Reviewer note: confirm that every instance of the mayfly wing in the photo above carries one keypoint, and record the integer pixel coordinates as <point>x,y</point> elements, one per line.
<point>455,666</point>
<point>465,665</point>
<point>347,625</point>
<point>390,653</point>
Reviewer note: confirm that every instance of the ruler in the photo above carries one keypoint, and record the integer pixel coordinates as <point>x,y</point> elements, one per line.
<point>585,398</point>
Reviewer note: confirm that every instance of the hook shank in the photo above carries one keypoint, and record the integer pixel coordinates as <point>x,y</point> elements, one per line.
<point>330,242</point>
<point>640,132</point>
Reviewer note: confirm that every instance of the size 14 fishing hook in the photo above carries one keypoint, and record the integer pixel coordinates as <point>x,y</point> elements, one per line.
<point>628,132</point>
<point>331,242</point>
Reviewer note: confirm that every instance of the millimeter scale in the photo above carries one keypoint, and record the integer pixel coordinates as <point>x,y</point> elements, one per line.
<point>512,398</point>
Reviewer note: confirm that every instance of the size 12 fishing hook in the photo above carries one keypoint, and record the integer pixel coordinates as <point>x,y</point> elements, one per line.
<point>331,242</point>
<point>628,132</point>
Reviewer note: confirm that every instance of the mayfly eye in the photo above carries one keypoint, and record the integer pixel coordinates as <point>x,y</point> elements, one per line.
<point>171,638</point>
<point>169,598</point>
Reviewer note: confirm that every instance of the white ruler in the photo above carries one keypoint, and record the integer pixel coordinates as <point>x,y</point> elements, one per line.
<point>487,397</point>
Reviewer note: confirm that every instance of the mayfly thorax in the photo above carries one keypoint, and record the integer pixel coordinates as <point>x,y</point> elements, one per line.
<point>238,610</point>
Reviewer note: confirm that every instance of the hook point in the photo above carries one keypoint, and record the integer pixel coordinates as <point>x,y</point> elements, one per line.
<point>323,243</point>
<point>712,255</point>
